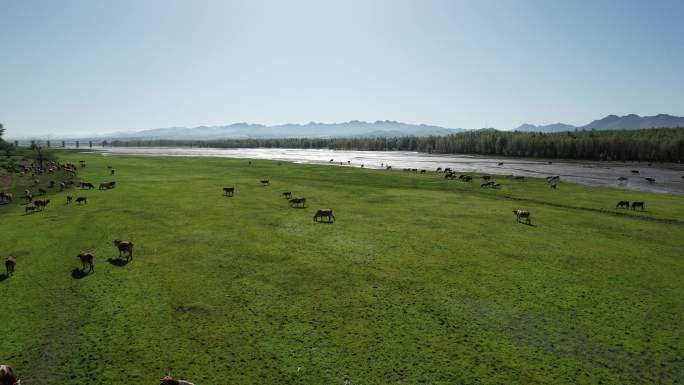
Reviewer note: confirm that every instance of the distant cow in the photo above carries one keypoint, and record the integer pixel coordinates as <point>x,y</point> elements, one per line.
<point>124,247</point>
<point>641,205</point>
<point>650,180</point>
<point>86,261</point>
<point>10,263</point>
<point>287,195</point>
<point>229,191</point>
<point>500,163</point>
<point>622,205</point>
<point>69,199</point>
<point>168,380</point>
<point>635,171</point>
<point>328,213</point>
<point>264,182</point>
<point>107,185</point>
<point>80,200</point>
<point>88,185</point>
<point>523,215</point>
<point>41,203</point>
<point>301,202</point>
<point>7,376</point>
<point>112,172</point>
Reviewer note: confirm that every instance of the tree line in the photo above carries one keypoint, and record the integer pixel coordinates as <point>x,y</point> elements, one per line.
<point>653,145</point>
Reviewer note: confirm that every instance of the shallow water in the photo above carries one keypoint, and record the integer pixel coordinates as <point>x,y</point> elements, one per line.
<point>668,177</point>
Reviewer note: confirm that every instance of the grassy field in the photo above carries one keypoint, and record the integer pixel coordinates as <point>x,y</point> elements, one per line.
<point>419,281</point>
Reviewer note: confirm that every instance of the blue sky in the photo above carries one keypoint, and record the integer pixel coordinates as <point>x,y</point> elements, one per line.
<point>86,67</point>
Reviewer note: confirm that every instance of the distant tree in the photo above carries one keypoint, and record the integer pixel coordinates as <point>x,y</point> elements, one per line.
<point>2,130</point>
<point>40,154</point>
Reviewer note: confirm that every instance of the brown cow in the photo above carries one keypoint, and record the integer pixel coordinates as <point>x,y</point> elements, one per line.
<point>7,376</point>
<point>86,260</point>
<point>10,263</point>
<point>124,247</point>
<point>168,380</point>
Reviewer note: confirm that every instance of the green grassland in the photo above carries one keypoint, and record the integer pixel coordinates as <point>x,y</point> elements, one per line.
<point>419,281</point>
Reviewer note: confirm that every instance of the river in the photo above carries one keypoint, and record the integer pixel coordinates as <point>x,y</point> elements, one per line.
<point>669,178</point>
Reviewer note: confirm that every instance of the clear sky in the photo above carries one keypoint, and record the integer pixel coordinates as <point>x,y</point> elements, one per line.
<point>85,67</point>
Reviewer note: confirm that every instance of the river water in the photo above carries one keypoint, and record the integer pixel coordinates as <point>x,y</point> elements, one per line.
<point>668,177</point>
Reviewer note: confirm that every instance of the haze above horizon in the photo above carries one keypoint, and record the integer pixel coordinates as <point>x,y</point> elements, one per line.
<point>81,68</point>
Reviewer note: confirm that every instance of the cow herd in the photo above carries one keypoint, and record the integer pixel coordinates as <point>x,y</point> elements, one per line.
<point>321,215</point>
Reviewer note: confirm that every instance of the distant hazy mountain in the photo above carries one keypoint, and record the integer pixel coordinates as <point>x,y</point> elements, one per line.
<point>632,121</point>
<point>556,127</point>
<point>353,128</point>
<point>612,122</point>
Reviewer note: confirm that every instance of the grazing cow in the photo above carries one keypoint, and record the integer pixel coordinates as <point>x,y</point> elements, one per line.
<point>650,180</point>
<point>635,171</point>
<point>422,171</point>
<point>30,209</point>
<point>488,184</point>
<point>6,196</point>
<point>301,202</point>
<point>168,380</point>
<point>622,179</point>
<point>124,247</point>
<point>523,215</point>
<point>264,182</point>
<point>90,186</point>
<point>105,186</point>
<point>641,205</point>
<point>41,203</point>
<point>109,167</point>
<point>80,200</point>
<point>42,191</point>
<point>622,204</point>
<point>10,263</point>
<point>229,191</point>
<point>69,199</point>
<point>328,213</point>
<point>113,172</point>
<point>500,163</point>
<point>86,260</point>
<point>7,376</point>
<point>287,195</point>
<point>439,169</point>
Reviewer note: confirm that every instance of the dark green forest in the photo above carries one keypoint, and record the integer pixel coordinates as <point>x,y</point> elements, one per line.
<point>657,144</point>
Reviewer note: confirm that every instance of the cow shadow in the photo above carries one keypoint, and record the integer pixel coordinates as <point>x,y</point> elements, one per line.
<point>78,274</point>
<point>118,261</point>
<point>3,277</point>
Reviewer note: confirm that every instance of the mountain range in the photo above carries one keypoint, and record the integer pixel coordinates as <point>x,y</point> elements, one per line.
<point>354,128</point>
<point>611,122</point>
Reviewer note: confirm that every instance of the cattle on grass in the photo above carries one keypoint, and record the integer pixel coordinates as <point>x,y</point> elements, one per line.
<point>229,191</point>
<point>10,264</point>
<point>125,247</point>
<point>321,213</point>
<point>297,202</point>
<point>523,216</point>
<point>640,205</point>
<point>87,260</point>
<point>7,376</point>
<point>80,200</point>
<point>622,205</point>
